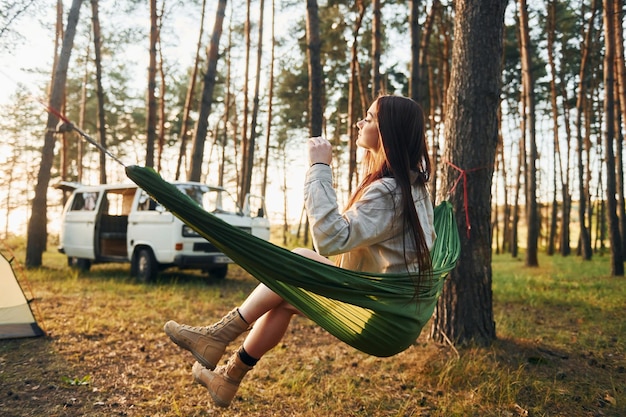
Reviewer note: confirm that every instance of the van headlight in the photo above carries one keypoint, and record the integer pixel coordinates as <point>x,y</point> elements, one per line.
<point>189,232</point>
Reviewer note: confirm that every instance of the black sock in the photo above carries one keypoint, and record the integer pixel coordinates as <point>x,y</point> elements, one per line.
<point>246,358</point>
<point>242,317</point>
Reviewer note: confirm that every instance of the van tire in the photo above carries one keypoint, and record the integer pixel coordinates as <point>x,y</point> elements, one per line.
<point>218,272</point>
<point>81,264</point>
<point>145,267</point>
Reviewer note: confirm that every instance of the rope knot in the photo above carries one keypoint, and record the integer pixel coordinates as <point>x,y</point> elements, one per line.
<point>463,177</point>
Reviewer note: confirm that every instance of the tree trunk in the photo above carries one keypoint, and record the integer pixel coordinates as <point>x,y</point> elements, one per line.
<point>620,76</point>
<point>414,26</point>
<point>228,104</point>
<point>316,76</point>
<point>532,212</point>
<point>197,153</point>
<point>376,41</point>
<point>249,163</point>
<point>506,210</point>
<point>184,126</point>
<point>352,118</point>
<point>81,121</point>
<point>557,168</point>
<point>424,53</point>
<point>97,49</point>
<point>270,97</point>
<point>617,261</point>
<point>151,104</point>
<point>38,222</point>
<point>162,91</point>
<point>244,127</point>
<point>585,236</point>
<point>564,244</point>
<point>465,309</point>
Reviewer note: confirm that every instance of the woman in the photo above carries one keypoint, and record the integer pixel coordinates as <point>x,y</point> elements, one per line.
<point>387,227</point>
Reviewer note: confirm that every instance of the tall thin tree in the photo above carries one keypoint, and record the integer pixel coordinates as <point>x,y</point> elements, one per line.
<point>38,222</point>
<point>620,79</point>
<point>151,103</point>
<point>270,99</point>
<point>528,84</point>
<point>97,49</point>
<point>583,83</point>
<point>208,85</point>
<point>617,259</point>
<point>376,47</point>
<point>184,127</point>
<point>249,162</point>
<point>316,80</point>
<point>352,89</point>
<point>414,27</point>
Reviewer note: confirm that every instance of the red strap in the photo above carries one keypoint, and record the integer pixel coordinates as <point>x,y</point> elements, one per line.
<point>463,176</point>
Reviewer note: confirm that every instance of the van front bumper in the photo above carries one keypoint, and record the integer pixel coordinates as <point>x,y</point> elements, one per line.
<point>201,261</point>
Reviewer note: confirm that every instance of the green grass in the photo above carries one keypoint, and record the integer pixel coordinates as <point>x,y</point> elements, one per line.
<point>560,351</point>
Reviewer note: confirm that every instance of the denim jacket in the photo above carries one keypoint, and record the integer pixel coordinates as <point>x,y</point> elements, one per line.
<point>369,236</point>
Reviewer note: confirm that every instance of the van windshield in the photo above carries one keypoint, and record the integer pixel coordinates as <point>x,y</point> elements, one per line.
<point>213,200</point>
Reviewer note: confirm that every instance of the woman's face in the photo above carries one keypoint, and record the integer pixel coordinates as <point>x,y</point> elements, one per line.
<point>369,136</point>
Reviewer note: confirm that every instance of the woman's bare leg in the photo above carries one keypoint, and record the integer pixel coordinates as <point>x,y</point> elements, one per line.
<point>270,313</point>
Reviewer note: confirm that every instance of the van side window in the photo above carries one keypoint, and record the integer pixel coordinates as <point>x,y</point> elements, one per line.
<point>146,203</point>
<point>117,202</point>
<point>84,201</point>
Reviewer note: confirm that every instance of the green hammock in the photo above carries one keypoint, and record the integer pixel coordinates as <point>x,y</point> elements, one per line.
<point>378,314</point>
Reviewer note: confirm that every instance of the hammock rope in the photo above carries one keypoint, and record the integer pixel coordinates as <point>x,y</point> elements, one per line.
<point>378,314</point>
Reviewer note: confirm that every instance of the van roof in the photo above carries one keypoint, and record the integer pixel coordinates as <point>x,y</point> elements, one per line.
<point>71,186</point>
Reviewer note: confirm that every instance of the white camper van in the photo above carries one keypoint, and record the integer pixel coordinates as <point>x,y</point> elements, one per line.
<point>121,223</point>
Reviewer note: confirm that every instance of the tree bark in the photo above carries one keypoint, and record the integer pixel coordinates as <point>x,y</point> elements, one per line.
<point>161,119</point>
<point>414,80</point>
<point>270,98</point>
<point>81,121</point>
<point>244,127</point>
<point>97,49</point>
<point>617,261</point>
<point>353,83</point>
<point>38,222</point>
<point>557,167</point>
<point>151,104</point>
<point>249,162</point>
<point>376,41</point>
<point>465,309</point>
<point>620,77</point>
<point>423,54</point>
<point>316,80</point>
<point>197,153</point>
<point>585,236</point>
<point>532,212</point>
<point>184,126</point>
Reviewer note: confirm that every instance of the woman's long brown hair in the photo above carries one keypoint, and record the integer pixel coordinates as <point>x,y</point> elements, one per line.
<point>405,153</point>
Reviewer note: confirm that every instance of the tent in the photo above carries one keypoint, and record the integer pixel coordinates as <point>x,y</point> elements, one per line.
<point>16,317</point>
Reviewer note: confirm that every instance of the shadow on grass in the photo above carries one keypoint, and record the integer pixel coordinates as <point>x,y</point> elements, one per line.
<point>38,380</point>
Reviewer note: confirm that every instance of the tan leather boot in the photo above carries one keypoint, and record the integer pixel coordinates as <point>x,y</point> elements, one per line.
<point>222,383</point>
<point>207,344</point>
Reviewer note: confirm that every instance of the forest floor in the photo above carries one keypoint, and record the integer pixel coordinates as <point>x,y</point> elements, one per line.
<point>105,354</point>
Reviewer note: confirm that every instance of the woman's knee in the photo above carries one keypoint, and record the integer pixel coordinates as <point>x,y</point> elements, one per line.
<point>311,254</point>
<point>305,252</point>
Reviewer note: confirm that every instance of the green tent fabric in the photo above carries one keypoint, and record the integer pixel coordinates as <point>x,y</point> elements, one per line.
<point>378,314</point>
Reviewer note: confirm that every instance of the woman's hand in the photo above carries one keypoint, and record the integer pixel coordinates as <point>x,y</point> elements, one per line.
<point>320,151</point>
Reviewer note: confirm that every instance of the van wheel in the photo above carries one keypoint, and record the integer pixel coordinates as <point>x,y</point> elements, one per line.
<point>218,272</point>
<point>79,263</point>
<point>146,267</point>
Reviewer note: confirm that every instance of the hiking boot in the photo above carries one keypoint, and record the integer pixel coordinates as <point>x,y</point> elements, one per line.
<point>207,344</point>
<point>222,383</point>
